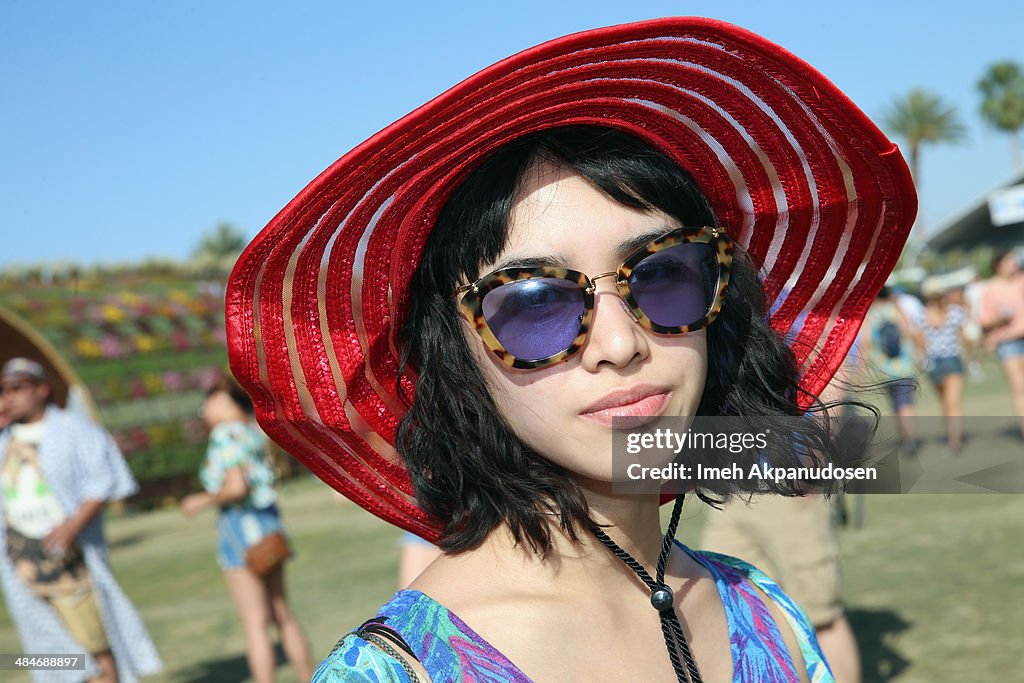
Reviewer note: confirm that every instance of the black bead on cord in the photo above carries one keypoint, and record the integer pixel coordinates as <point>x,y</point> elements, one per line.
<point>661,596</point>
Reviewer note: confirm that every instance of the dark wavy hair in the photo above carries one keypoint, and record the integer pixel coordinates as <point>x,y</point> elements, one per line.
<point>468,467</point>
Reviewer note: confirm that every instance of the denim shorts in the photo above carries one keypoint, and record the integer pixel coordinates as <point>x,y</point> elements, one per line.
<point>901,392</point>
<point>1010,349</point>
<point>240,527</point>
<point>939,368</point>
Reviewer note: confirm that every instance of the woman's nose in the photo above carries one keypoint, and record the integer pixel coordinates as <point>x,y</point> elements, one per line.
<point>615,336</point>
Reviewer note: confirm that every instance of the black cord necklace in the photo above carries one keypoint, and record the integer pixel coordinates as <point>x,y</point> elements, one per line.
<point>662,598</point>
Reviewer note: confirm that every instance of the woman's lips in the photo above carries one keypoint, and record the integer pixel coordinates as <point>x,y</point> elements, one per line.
<point>631,415</point>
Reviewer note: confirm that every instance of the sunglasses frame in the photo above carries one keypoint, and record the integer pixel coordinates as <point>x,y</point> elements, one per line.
<point>471,303</point>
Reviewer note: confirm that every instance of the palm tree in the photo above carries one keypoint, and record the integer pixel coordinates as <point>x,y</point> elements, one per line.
<point>1002,104</point>
<point>921,118</point>
<point>218,249</point>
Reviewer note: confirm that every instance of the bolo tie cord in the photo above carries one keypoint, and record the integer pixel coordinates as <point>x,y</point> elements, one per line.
<point>662,598</point>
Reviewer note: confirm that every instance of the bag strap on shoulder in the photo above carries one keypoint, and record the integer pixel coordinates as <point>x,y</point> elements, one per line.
<point>391,642</point>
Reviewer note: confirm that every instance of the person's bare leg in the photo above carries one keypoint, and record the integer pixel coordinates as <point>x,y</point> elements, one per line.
<point>840,649</point>
<point>293,640</point>
<point>952,407</point>
<point>1013,368</point>
<point>906,416</point>
<point>108,668</point>
<point>253,606</point>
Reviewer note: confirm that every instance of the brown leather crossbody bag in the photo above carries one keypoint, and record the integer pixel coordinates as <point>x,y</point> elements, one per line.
<point>268,553</point>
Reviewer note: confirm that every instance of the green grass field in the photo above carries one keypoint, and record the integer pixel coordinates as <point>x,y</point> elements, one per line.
<point>933,583</point>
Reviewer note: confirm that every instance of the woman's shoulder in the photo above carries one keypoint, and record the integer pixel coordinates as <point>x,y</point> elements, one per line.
<point>726,567</point>
<point>365,656</point>
<point>748,571</point>
<point>442,645</point>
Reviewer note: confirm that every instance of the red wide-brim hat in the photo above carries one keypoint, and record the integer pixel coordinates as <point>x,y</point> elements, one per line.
<point>792,168</point>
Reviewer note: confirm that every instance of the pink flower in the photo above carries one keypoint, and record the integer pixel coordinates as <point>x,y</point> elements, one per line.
<point>174,380</point>
<point>111,347</point>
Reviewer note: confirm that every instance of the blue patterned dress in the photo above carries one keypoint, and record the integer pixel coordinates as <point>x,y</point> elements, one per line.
<point>451,652</point>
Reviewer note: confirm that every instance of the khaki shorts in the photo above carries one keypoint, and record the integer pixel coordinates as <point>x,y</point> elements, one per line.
<point>792,540</point>
<point>81,615</point>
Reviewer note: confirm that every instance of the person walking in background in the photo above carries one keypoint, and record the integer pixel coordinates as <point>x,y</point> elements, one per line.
<point>887,342</point>
<point>239,481</point>
<point>971,335</point>
<point>1002,319</point>
<point>57,472</point>
<point>940,341</point>
<point>908,303</point>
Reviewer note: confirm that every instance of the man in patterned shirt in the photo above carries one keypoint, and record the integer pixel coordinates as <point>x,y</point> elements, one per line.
<point>57,472</point>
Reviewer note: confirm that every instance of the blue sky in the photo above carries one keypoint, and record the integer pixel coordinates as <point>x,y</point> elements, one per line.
<point>128,129</point>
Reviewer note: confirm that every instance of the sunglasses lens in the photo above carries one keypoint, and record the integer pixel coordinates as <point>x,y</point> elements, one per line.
<point>536,318</point>
<point>675,286</point>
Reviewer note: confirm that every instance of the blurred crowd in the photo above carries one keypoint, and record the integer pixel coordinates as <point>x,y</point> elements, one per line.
<point>943,335</point>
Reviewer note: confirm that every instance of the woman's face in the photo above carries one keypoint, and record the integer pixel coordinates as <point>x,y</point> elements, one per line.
<point>564,411</point>
<point>219,407</point>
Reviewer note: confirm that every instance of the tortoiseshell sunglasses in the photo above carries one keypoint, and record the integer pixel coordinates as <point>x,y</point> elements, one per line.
<point>533,317</point>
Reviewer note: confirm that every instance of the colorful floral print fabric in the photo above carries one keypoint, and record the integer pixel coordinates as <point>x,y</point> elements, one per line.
<point>451,651</point>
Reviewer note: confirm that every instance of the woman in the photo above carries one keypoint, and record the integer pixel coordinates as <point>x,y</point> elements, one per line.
<point>1002,319</point>
<point>445,323</point>
<point>888,342</point>
<point>240,482</point>
<point>940,341</point>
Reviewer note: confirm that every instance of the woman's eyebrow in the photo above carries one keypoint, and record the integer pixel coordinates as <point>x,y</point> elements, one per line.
<point>624,249</point>
<point>627,247</point>
<point>531,262</point>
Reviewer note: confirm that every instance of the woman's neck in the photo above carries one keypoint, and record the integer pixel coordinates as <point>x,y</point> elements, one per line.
<point>633,522</point>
